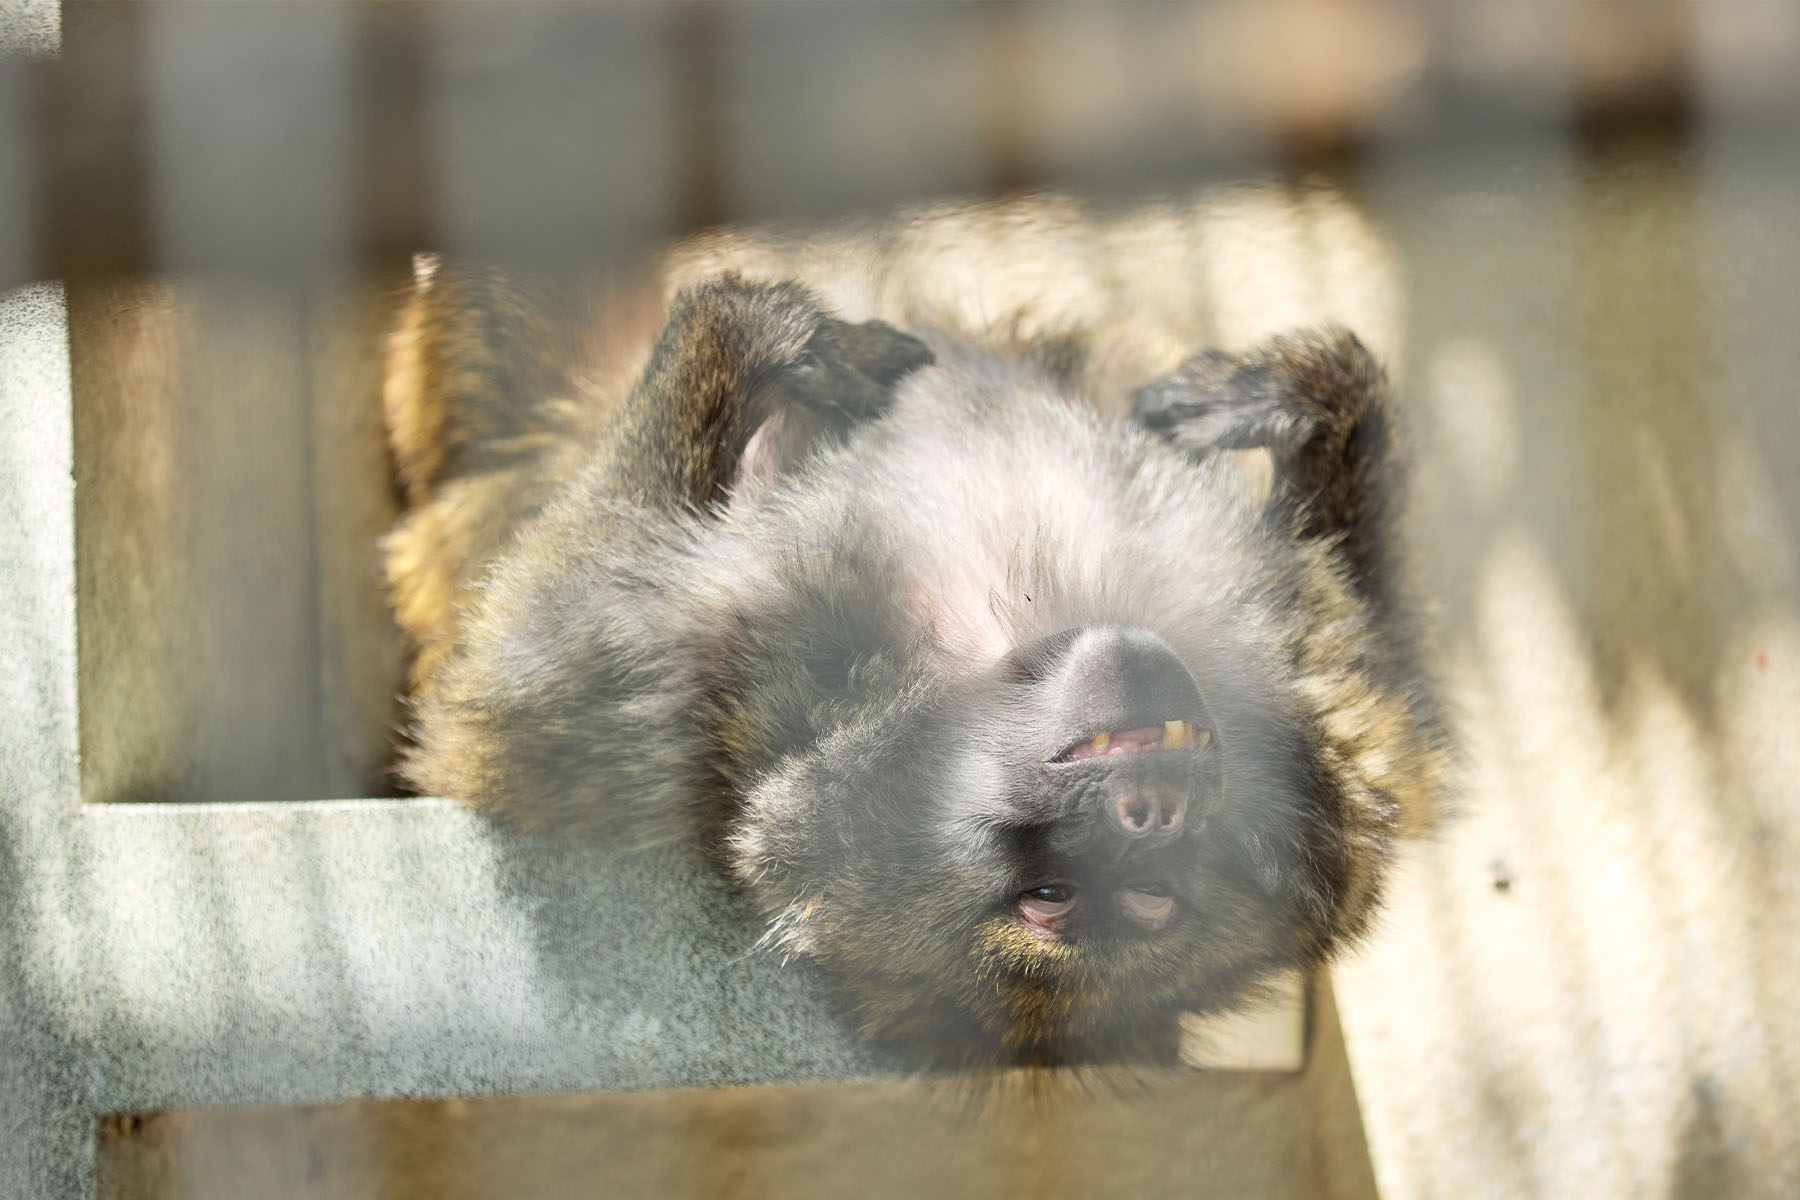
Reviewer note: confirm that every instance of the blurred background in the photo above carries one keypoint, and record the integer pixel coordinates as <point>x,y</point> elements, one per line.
<point>1572,227</point>
<point>208,134</point>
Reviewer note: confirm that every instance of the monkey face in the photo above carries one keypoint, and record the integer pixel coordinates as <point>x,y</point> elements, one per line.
<point>1045,862</point>
<point>1120,771</point>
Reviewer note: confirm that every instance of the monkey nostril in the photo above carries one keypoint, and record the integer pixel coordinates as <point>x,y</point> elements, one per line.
<point>1142,814</point>
<point>1133,812</point>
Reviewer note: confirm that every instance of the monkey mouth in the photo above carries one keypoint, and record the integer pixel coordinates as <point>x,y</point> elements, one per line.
<point>1169,735</point>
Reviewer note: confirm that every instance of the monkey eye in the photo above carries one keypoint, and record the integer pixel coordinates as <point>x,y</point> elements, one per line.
<point>1045,910</point>
<point>1148,905</point>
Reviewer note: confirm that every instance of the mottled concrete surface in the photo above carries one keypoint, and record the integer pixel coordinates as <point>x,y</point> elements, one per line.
<point>30,27</point>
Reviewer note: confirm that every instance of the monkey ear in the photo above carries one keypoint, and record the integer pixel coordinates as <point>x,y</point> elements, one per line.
<point>1282,395</point>
<point>846,376</point>
<point>876,350</point>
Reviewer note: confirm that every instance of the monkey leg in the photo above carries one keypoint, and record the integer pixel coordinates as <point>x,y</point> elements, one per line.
<point>487,423</point>
<point>743,382</point>
<point>1318,402</point>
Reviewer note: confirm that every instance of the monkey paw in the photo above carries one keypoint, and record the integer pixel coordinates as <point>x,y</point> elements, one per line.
<point>1285,395</point>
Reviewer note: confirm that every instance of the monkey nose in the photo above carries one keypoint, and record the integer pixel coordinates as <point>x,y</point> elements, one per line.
<point>1149,815</point>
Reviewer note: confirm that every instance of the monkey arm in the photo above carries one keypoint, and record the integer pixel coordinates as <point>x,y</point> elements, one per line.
<point>1318,402</point>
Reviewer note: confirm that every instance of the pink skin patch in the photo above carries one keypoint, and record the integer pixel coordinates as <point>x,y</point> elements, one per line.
<point>1045,918</point>
<point>1145,909</point>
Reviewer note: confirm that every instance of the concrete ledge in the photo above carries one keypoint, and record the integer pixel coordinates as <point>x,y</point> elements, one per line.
<point>1099,1133</point>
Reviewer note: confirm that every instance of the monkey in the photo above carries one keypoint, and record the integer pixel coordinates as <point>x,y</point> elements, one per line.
<point>1029,724</point>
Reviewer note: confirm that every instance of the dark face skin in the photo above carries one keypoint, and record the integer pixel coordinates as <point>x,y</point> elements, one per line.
<point>1114,771</point>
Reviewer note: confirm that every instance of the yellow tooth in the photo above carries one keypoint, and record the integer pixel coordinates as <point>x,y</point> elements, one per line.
<point>1202,737</point>
<point>1174,734</point>
<point>1101,742</point>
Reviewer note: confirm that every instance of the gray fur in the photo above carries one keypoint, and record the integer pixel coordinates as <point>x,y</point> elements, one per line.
<point>805,667</point>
